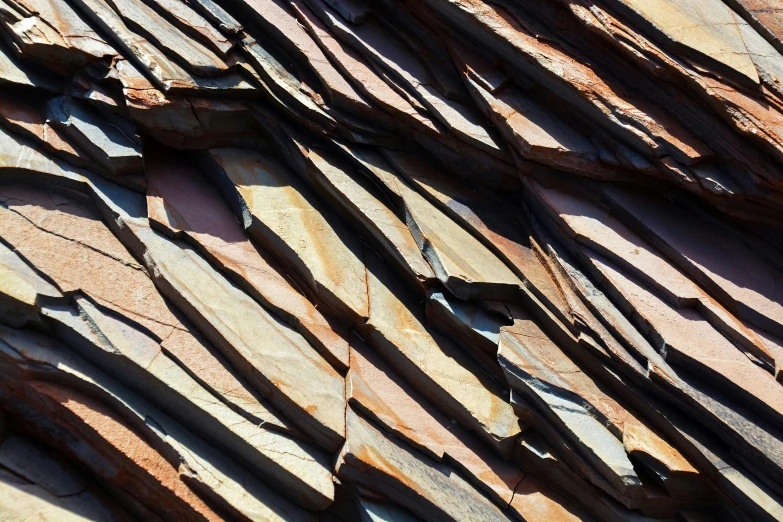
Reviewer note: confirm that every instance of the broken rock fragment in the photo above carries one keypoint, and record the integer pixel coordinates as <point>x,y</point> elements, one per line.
<point>107,144</point>
<point>376,461</point>
<point>53,33</point>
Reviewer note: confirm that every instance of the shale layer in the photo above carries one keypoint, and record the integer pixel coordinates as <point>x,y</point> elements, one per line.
<point>401,260</point>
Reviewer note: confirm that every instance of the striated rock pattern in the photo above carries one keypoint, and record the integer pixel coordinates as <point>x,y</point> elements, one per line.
<point>391,260</point>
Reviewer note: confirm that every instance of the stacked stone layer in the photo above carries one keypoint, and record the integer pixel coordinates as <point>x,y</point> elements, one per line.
<point>437,260</point>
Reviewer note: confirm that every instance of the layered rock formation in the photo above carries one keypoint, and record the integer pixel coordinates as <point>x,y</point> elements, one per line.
<point>436,260</point>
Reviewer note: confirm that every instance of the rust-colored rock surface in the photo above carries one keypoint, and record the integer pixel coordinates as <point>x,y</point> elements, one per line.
<point>391,260</point>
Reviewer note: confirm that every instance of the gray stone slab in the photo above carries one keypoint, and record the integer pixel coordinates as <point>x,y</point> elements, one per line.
<point>362,203</point>
<point>106,143</point>
<point>299,382</point>
<point>432,364</point>
<point>706,31</point>
<point>432,491</point>
<point>575,416</point>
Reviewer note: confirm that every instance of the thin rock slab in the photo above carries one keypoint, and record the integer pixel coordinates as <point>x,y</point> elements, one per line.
<point>90,260</point>
<point>704,31</point>
<point>356,70</point>
<point>383,48</point>
<point>21,158</point>
<point>287,91</point>
<point>756,499</point>
<point>137,361</point>
<point>81,426</point>
<point>682,333</point>
<point>596,229</point>
<point>745,111</point>
<point>468,162</point>
<point>710,253</point>
<point>726,417</point>
<point>573,458</point>
<point>566,409</point>
<point>769,66</point>
<point>24,118</point>
<point>53,33</point>
<point>575,83</point>
<point>378,393</point>
<point>467,268</point>
<point>691,342</point>
<point>624,341</point>
<point>168,76</point>
<point>547,364</point>
<point>426,43</point>
<point>594,335</point>
<point>366,205</point>
<point>473,329</point>
<point>716,460</point>
<point>213,371</point>
<point>103,424</point>
<point>104,142</point>
<point>190,22</point>
<point>536,132</point>
<point>187,52</point>
<point>355,198</point>
<point>280,24</point>
<point>533,453</point>
<point>180,121</point>
<point>489,218</point>
<point>182,203</point>
<point>432,365</point>
<point>64,239</point>
<point>431,491</point>
<point>289,221</point>
<point>466,321</point>
<point>273,357</point>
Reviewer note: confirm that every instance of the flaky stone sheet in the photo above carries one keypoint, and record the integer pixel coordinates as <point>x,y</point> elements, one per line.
<point>434,365</point>
<point>369,457</point>
<point>405,260</point>
<point>201,216</point>
<point>107,441</point>
<point>288,219</point>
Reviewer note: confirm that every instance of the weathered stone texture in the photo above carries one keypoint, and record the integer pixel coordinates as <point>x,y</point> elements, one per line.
<point>436,260</point>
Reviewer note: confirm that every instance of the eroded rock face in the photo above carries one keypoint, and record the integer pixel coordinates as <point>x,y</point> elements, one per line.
<point>438,260</point>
